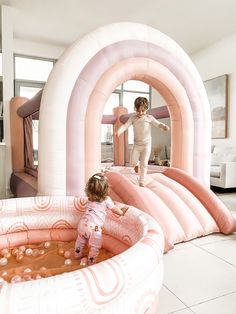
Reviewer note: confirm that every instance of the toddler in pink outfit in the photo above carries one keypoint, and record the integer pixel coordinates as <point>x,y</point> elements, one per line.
<point>91,222</point>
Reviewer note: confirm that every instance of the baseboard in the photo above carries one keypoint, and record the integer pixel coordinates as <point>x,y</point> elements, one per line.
<point>222,190</point>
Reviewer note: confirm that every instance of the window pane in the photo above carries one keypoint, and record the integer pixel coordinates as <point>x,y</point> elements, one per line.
<point>106,133</point>
<point>107,143</point>
<point>112,102</point>
<point>107,130</point>
<point>32,69</point>
<point>28,92</point>
<point>134,85</point>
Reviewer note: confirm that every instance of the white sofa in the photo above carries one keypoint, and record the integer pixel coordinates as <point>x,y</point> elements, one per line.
<point>223,167</point>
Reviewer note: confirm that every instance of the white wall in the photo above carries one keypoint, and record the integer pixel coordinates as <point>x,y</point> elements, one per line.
<point>214,61</point>
<point>37,49</point>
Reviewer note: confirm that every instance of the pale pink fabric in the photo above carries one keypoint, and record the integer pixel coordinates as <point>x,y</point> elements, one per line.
<point>216,208</point>
<point>184,208</point>
<point>121,142</point>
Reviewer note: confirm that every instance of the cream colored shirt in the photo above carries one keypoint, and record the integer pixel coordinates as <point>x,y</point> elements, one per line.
<point>142,128</point>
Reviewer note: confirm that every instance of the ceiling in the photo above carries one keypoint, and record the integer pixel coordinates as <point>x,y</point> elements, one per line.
<point>193,24</point>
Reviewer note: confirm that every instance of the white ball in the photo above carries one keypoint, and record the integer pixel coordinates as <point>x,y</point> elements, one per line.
<point>3,261</point>
<point>28,252</point>
<point>67,262</point>
<point>47,244</point>
<point>16,279</point>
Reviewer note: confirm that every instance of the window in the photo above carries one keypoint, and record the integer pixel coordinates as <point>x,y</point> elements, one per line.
<point>32,69</point>
<point>28,91</point>
<point>138,86</point>
<point>31,75</point>
<point>107,129</point>
<point>124,94</point>
<point>113,101</point>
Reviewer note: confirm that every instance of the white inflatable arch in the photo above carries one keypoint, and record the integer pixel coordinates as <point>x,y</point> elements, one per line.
<point>80,84</point>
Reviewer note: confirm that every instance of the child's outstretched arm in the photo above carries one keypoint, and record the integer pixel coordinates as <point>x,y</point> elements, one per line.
<point>119,211</point>
<point>159,124</point>
<point>164,127</point>
<point>125,126</point>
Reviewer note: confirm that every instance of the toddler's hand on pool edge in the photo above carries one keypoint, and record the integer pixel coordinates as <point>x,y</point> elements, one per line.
<point>124,209</point>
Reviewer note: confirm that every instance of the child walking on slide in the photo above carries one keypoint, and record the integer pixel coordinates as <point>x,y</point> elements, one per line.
<point>91,222</point>
<point>142,123</point>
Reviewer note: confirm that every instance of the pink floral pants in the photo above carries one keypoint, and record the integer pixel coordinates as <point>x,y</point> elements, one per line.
<point>90,233</point>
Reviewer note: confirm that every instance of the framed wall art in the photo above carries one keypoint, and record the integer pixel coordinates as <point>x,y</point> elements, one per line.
<point>216,89</point>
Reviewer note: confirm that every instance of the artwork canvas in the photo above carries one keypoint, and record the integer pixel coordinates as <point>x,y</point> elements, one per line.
<point>216,89</point>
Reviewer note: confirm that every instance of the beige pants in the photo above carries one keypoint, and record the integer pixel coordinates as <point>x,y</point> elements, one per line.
<point>141,154</point>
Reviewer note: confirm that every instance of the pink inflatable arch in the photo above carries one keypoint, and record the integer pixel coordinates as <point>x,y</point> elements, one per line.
<point>116,283</point>
<point>81,82</point>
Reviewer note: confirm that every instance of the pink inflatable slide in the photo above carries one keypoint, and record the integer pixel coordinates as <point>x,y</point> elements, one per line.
<point>184,208</point>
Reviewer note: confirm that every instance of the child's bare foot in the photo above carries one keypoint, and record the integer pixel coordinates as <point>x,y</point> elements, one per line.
<point>141,184</point>
<point>136,169</point>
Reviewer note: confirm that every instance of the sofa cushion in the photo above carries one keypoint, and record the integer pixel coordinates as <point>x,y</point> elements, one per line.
<point>230,157</point>
<point>229,154</point>
<point>216,159</point>
<point>215,171</point>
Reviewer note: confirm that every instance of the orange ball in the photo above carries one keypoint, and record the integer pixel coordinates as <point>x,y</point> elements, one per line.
<point>67,254</point>
<point>3,273</point>
<point>35,252</point>
<point>19,258</point>
<point>4,251</point>
<point>14,251</point>
<point>7,255</point>
<point>47,244</point>
<point>22,248</point>
<point>41,252</point>
<point>60,251</point>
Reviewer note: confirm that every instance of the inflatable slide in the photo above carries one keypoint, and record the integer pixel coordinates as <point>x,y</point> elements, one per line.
<point>184,208</point>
